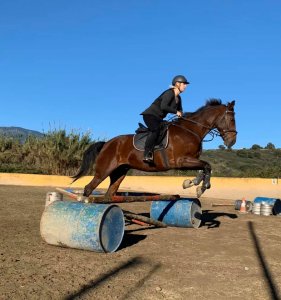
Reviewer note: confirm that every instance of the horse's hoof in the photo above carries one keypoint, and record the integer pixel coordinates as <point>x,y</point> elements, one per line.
<point>200,190</point>
<point>87,191</point>
<point>196,181</point>
<point>207,186</point>
<point>187,184</point>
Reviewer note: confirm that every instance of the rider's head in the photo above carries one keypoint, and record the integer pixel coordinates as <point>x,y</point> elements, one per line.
<point>180,82</point>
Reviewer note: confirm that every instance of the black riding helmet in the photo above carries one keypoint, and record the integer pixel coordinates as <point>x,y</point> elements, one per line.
<point>179,78</point>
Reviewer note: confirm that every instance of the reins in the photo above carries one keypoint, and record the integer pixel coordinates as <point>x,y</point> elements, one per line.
<point>212,131</point>
<point>186,129</point>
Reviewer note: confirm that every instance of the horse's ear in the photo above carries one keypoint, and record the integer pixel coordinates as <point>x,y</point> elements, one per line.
<point>231,104</point>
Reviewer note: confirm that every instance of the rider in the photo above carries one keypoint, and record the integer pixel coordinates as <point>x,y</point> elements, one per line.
<point>168,102</point>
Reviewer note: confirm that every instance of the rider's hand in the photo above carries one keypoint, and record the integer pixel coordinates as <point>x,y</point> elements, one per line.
<point>179,114</point>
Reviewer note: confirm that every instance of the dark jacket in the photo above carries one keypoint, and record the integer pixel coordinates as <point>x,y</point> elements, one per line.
<point>164,104</point>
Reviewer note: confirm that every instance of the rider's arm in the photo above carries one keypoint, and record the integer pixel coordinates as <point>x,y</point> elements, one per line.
<point>179,108</point>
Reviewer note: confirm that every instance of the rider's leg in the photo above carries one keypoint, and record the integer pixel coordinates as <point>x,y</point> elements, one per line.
<point>153,124</point>
<point>149,145</point>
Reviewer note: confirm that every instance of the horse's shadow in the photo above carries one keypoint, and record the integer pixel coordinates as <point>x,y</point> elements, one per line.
<point>209,218</point>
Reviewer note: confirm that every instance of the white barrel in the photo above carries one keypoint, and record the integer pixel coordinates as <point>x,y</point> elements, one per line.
<point>53,196</point>
<point>266,209</point>
<point>256,210</point>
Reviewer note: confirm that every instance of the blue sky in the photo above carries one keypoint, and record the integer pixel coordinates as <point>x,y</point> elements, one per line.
<point>96,65</point>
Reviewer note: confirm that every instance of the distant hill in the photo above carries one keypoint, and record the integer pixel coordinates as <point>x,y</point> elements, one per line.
<point>19,133</point>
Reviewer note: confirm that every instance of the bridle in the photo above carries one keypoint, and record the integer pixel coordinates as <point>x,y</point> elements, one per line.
<point>227,123</point>
<point>214,132</point>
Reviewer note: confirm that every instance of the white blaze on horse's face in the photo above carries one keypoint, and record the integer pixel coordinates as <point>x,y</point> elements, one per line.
<point>227,126</point>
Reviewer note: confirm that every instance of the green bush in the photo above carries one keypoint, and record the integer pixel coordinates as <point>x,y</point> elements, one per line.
<point>57,153</point>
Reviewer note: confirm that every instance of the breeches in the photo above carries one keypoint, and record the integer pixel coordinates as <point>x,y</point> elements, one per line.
<point>153,125</point>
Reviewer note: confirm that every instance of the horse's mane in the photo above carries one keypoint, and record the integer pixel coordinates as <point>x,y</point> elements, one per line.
<point>209,102</point>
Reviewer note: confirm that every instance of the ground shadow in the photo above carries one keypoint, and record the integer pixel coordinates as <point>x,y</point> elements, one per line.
<point>130,239</point>
<point>140,282</point>
<point>209,218</point>
<point>266,272</point>
<point>94,283</point>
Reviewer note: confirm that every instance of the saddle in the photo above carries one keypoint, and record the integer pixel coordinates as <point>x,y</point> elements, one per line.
<point>142,133</point>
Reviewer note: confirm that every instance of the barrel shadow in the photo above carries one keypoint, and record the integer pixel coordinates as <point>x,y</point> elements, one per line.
<point>266,272</point>
<point>130,239</point>
<point>209,218</point>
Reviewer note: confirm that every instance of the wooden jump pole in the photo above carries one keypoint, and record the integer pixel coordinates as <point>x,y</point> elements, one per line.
<point>221,204</point>
<point>119,199</point>
<point>69,194</point>
<point>144,219</point>
<point>129,199</point>
<point>138,222</point>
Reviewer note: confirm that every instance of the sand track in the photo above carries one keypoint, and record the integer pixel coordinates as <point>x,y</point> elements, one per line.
<point>231,256</point>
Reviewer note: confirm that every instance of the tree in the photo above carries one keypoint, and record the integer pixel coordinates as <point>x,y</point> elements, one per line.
<point>221,147</point>
<point>256,147</point>
<point>269,146</point>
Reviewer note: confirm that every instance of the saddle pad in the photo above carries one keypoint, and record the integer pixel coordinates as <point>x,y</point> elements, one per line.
<point>140,138</point>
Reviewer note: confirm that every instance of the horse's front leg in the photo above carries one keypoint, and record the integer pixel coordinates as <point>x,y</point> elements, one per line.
<point>195,181</point>
<point>206,181</point>
<point>207,178</point>
<point>203,175</point>
<point>91,186</point>
<point>199,178</point>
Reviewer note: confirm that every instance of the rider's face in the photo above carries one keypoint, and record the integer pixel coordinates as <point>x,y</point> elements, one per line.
<point>182,86</point>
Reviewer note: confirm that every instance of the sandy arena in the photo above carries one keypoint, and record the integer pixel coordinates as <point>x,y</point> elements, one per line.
<point>231,256</point>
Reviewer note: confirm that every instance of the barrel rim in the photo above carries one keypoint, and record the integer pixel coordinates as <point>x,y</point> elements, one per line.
<point>100,228</point>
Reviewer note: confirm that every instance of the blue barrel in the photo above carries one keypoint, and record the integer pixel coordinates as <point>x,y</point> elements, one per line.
<point>95,227</point>
<point>184,212</point>
<point>269,201</point>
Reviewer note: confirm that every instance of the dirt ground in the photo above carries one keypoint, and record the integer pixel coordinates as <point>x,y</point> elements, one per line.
<point>230,256</point>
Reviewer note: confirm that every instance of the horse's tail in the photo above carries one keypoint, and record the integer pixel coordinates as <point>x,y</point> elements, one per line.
<point>88,160</point>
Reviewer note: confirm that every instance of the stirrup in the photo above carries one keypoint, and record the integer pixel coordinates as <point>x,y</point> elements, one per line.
<point>148,157</point>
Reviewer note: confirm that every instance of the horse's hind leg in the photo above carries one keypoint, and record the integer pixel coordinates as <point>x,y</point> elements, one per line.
<point>116,177</point>
<point>93,184</point>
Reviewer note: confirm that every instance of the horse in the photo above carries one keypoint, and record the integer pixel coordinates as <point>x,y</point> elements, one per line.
<point>117,156</point>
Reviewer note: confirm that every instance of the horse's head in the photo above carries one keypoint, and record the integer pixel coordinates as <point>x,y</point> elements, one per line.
<point>226,124</point>
<point>213,115</point>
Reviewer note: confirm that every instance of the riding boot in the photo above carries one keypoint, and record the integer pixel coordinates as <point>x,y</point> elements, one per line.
<point>148,156</point>
<point>149,147</point>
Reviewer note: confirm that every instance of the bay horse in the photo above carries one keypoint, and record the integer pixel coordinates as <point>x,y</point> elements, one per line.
<point>117,156</point>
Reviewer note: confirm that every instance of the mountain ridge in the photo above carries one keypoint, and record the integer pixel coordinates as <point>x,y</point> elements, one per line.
<point>19,132</point>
